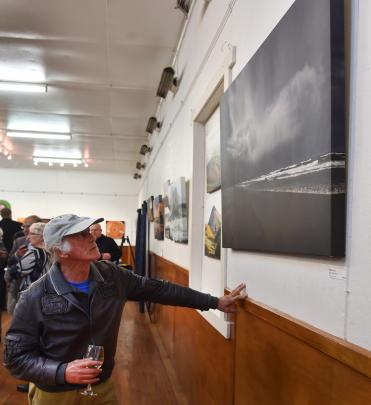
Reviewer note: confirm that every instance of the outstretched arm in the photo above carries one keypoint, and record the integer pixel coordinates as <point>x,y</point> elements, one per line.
<point>227,303</point>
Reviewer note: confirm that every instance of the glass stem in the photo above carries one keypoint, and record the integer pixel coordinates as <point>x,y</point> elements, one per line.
<point>88,388</point>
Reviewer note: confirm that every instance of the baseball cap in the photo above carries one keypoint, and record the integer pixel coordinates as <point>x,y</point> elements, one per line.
<point>67,224</point>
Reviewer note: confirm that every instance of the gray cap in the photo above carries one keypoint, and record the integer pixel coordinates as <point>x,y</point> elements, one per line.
<point>67,224</point>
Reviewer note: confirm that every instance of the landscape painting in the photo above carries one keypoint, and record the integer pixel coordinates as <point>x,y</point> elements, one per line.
<point>178,211</point>
<point>158,217</point>
<point>213,231</point>
<point>213,174</point>
<point>283,138</point>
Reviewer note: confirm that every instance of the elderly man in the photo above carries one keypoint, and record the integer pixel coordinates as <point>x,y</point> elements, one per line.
<point>79,302</point>
<point>107,246</point>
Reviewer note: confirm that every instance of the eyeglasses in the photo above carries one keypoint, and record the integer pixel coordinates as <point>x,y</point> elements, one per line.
<point>34,234</point>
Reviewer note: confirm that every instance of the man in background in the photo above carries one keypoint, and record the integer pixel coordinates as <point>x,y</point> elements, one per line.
<point>9,227</point>
<point>20,245</point>
<point>107,246</point>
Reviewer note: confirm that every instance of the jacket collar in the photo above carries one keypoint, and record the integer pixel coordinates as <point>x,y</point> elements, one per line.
<point>62,286</point>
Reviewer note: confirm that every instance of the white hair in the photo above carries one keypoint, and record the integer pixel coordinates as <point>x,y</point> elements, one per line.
<point>37,228</point>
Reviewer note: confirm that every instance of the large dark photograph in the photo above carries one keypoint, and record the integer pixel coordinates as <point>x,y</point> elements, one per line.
<point>283,138</point>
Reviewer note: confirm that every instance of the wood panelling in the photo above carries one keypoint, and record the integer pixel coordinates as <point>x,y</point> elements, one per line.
<point>272,359</point>
<point>280,360</point>
<point>202,357</point>
<point>128,255</point>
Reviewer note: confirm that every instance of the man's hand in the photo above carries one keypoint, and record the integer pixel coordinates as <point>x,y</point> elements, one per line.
<point>82,371</point>
<point>106,256</point>
<point>3,254</point>
<point>21,251</point>
<point>227,303</point>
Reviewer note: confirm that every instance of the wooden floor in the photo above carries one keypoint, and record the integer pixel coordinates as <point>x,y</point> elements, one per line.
<point>142,375</point>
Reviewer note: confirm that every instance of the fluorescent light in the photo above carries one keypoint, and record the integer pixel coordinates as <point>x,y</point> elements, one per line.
<point>52,160</point>
<point>38,135</point>
<point>23,87</point>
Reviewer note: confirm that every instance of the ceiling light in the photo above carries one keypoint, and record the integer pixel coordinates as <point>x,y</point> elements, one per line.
<point>153,124</point>
<point>23,87</point>
<point>9,157</point>
<point>168,82</point>
<point>86,164</point>
<point>52,160</point>
<point>38,135</point>
<point>145,149</point>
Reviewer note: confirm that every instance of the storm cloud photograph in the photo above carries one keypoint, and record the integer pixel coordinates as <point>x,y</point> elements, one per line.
<point>283,139</point>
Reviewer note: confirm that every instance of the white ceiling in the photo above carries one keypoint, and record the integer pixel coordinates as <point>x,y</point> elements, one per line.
<point>102,61</point>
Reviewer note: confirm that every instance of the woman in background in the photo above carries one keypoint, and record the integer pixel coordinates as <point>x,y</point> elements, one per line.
<point>31,266</point>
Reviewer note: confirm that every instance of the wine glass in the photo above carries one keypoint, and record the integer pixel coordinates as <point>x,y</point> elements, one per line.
<point>95,353</point>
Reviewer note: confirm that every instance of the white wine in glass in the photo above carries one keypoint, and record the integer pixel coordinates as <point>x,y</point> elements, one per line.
<point>95,353</point>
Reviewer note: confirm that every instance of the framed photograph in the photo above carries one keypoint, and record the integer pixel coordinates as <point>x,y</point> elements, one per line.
<point>115,229</point>
<point>178,211</point>
<point>213,174</point>
<point>213,231</point>
<point>283,138</point>
<point>150,208</point>
<point>158,217</point>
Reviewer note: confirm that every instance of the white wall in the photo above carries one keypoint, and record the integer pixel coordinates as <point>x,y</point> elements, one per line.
<point>334,295</point>
<point>48,193</point>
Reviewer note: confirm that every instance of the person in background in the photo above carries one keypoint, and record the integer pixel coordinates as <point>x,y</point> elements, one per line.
<point>9,227</point>
<point>108,248</point>
<point>3,260</point>
<point>30,266</point>
<point>78,303</point>
<point>20,244</point>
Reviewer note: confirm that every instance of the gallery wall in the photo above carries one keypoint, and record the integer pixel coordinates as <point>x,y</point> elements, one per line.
<point>48,193</point>
<point>331,294</point>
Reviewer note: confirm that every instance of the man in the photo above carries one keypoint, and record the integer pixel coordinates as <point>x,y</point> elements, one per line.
<point>79,302</point>
<point>20,244</point>
<point>107,246</point>
<point>9,227</point>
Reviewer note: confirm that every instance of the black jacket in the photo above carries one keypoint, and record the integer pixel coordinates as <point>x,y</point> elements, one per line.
<point>108,245</point>
<point>50,326</point>
<point>9,228</point>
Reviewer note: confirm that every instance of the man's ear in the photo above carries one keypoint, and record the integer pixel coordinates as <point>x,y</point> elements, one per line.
<point>60,253</point>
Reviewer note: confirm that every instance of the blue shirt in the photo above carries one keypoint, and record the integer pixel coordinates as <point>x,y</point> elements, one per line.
<point>84,286</point>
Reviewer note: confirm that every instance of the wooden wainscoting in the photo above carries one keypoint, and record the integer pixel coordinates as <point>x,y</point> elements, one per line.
<point>201,356</point>
<point>280,360</point>
<point>272,358</point>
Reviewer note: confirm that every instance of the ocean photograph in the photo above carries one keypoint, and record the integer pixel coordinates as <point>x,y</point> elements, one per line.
<point>283,139</point>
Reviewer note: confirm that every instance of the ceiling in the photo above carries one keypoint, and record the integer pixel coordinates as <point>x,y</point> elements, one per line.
<point>102,61</point>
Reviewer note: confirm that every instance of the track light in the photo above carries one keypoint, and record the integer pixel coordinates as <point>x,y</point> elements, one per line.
<point>184,5</point>
<point>137,176</point>
<point>152,125</point>
<point>145,149</point>
<point>168,82</point>
<point>140,166</point>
